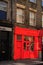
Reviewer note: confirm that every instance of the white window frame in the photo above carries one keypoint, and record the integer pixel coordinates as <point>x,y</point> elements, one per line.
<point>18,14</point>
<point>34,1</point>
<point>32,19</point>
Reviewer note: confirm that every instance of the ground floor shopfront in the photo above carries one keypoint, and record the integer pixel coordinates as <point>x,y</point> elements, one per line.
<point>27,43</point>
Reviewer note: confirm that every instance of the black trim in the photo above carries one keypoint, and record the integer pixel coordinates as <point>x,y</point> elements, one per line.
<point>5,24</point>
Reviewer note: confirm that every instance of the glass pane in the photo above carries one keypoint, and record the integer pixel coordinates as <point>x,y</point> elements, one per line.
<point>20,16</point>
<point>3,6</point>
<point>19,37</point>
<point>25,45</point>
<point>33,1</point>
<point>42,20</point>
<point>32,46</point>
<point>42,2</point>
<point>32,19</point>
<point>26,38</point>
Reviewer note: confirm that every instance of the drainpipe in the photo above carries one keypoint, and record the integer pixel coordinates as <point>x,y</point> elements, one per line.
<point>12,28</point>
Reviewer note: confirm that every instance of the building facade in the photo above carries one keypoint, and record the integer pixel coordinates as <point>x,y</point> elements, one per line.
<point>21,29</point>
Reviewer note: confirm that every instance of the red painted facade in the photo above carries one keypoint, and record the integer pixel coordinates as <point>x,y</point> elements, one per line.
<point>21,48</point>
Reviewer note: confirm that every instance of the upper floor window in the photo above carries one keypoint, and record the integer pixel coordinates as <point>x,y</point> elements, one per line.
<point>32,19</point>
<point>42,40</point>
<point>3,10</point>
<point>20,16</point>
<point>42,20</point>
<point>42,2</point>
<point>34,1</point>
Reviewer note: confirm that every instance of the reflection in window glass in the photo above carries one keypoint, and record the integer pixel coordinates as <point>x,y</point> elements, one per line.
<point>20,16</point>
<point>26,38</point>
<point>3,6</point>
<point>32,46</point>
<point>3,10</point>
<point>31,43</point>
<point>33,1</point>
<point>42,2</point>
<point>19,37</point>
<point>32,19</point>
<point>31,39</point>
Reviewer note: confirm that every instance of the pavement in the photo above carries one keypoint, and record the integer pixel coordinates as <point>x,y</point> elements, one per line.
<point>21,62</point>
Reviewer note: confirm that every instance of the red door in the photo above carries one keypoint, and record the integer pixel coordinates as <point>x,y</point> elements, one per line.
<point>28,48</point>
<point>18,47</point>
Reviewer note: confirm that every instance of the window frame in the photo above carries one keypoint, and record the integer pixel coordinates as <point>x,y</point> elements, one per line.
<point>30,17</point>
<point>23,10</point>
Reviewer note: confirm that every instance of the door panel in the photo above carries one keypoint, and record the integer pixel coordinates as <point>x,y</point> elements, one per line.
<point>18,49</point>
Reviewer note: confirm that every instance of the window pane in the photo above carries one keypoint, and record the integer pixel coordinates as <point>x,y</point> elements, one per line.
<point>19,37</point>
<point>42,20</point>
<point>3,6</point>
<point>31,39</point>
<point>3,10</point>
<point>33,1</point>
<point>20,16</point>
<point>42,2</point>
<point>32,19</point>
<point>24,45</point>
<point>26,38</point>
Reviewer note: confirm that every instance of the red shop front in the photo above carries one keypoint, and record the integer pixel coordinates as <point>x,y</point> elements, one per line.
<point>26,43</point>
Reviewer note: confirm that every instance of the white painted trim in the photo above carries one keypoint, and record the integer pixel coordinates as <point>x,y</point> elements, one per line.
<point>32,10</point>
<point>5,28</point>
<point>20,5</point>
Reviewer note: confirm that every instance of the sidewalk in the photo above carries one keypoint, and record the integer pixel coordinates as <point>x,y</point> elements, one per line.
<point>21,62</point>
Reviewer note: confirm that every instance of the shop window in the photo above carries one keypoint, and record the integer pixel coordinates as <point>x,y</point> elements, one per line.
<point>31,38</point>
<point>32,46</point>
<point>26,38</point>
<point>3,10</point>
<point>20,16</point>
<point>19,37</point>
<point>32,19</point>
<point>42,2</point>
<point>34,1</point>
<point>24,45</point>
<point>32,43</point>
